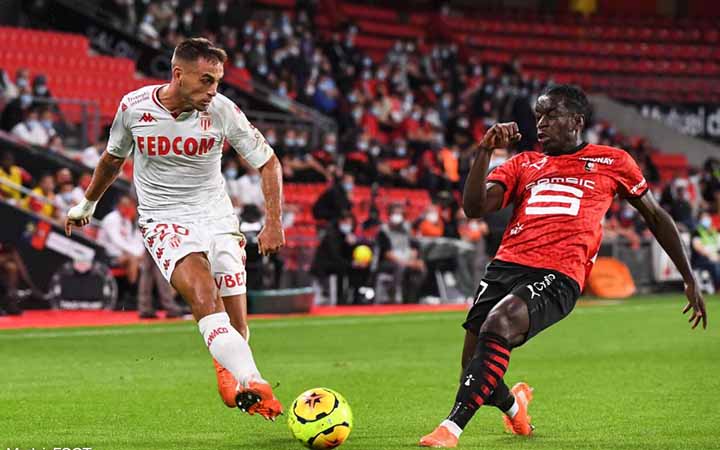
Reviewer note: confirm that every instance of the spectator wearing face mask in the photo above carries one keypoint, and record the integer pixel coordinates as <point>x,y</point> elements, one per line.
<point>64,199</point>
<point>362,160</point>
<point>121,238</point>
<point>336,199</point>
<point>400,257</point>
<point>706,247</point>
<point>31,129</point>
<point>17,109</point>
<point>40,88</point>
<point>431,224</point>
<point>334,256</point>
<point>301,165</point>
<point>250,189</point>
<point>231,172</point>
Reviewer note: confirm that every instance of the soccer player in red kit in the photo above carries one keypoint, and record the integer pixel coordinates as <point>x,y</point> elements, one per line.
<point>560,197</point>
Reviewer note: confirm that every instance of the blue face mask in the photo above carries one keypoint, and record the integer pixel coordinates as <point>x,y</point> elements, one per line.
<point>231,173</point>
<point>706,222</point>
<point>26,100</point>
<point>348,187</point>
<point>47,123</point>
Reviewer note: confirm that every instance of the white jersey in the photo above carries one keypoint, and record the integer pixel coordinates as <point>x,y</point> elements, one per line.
<point>177,171</point>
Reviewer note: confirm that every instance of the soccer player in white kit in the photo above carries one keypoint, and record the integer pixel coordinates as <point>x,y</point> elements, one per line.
<point>177,131</point>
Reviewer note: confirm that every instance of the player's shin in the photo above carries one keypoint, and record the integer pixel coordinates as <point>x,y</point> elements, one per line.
<point>482,376</point>
<point>503,399</point>
<point>228,347</point>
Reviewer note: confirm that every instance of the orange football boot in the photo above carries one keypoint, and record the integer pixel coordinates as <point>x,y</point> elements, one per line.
<point>257,397</point>
<point>441,437</point>
<point>227,385</point>
<point>520,424</point>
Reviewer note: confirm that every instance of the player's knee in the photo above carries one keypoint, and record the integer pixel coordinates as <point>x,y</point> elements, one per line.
<point>508,320</point>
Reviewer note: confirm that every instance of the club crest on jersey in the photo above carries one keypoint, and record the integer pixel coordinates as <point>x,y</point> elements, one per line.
<point>589,166</point>
<point>205,121</point>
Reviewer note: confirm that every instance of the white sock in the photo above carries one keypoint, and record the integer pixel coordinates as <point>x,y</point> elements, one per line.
<point>513,409</point>
<point>452,427</point>
<point>228,347</point>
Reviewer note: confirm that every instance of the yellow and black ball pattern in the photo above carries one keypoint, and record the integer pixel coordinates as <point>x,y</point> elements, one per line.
<point>320,418</point>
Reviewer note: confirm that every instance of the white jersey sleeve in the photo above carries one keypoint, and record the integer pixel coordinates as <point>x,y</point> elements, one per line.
<point>120,142</point>
<point>242,135</point>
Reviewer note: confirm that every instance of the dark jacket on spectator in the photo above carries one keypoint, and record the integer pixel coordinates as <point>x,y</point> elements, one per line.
<point>330,205</point>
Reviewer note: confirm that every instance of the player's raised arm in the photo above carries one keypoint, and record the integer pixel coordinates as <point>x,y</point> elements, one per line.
<point>119,146</point>
<point>662,226</point>
<point>479,196</point>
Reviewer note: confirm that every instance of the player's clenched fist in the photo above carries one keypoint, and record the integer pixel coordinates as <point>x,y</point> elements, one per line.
<point>79,215</point>
<point>271,238</point>
<point>500,135</point>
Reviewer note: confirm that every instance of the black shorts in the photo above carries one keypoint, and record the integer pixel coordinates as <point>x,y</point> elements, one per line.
<point>550,295</point>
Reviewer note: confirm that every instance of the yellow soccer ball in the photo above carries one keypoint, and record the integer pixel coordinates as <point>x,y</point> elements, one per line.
<point>320,418</point>
<point>362,255</point>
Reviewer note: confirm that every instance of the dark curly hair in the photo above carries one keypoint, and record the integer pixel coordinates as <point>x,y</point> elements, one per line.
<point>572,97</point>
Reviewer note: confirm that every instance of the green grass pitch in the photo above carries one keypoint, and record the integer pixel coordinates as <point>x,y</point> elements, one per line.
<point>628,375</point>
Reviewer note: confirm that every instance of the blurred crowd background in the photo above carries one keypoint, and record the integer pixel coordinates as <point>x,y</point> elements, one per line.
<point>373,202</point>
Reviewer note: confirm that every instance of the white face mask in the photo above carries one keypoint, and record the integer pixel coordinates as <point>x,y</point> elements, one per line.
<point>432,217</point>
<point>345,228</point>
<point>396,219</point>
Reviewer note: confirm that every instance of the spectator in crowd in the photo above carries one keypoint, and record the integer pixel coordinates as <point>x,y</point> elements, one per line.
<point>298,163</point>
<point>31,130</point>
<point>706,247</point>
<point>91,155</point>
<point>711,184</point>
<point>334,255</point>
<point>17,108</point>
<point>675,199</point>
<point>232,185</point>
<point>8,89</point>
<point>55,144</point>
<point>400,257</point>
<point>335,200</point>
<point>42,200</point>
<point>250,189</point>
<point>64,199</point>
<point>78,192</point>
<point>12,272</point>
<point>40,88</point>
<point>151,277</point>
<point>13,174</point>
<point>622,222</point>
<point>431,224</point>
<point>121,238</point>
<point>475,232</point>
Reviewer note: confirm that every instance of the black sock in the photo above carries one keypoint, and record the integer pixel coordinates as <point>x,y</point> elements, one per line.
<point>482,376</point>
<point>501,397</point>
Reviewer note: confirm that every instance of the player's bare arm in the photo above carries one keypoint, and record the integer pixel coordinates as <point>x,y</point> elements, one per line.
<point>480,197</point>
<point>272,237</point>
<point>662,226</point>
<point>105,173</point>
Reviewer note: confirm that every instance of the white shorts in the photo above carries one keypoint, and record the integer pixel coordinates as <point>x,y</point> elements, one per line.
<point>220,240</point>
